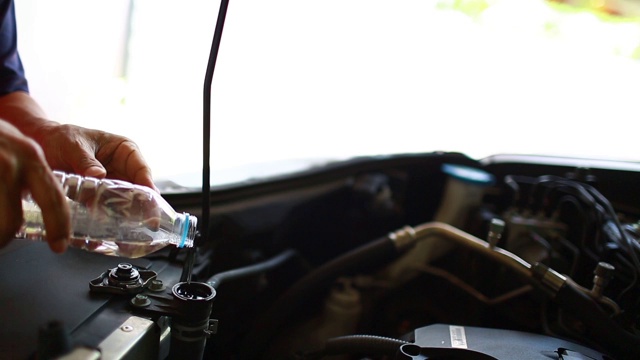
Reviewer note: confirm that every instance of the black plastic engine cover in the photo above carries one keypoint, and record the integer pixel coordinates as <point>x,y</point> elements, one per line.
<point>499,344</point>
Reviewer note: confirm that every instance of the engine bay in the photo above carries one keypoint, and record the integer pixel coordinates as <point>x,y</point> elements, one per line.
<point>431,256</point>
<point>555,220</point>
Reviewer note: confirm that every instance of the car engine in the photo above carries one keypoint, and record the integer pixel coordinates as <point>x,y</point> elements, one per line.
<point>421,256</point>
<point>500,250</point>
<point>409,256</point>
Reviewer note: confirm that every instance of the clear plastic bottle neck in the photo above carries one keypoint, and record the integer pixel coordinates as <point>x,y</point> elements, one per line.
<point>186,227</point>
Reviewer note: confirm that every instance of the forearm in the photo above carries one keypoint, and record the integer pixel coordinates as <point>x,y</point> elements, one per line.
<point>22,111</point>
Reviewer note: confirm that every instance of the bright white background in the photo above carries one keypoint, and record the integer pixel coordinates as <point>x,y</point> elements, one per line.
<point>335,78</point>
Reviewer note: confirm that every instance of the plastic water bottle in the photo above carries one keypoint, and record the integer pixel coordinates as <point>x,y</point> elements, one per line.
<point>113,217</point>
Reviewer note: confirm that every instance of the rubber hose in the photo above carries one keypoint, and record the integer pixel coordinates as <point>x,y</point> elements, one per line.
<point>313,284</point>
<point>353,344</point>
<point>216,280</point>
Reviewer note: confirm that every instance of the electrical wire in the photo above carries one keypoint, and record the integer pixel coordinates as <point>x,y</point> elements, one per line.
<point>627,240</point>
<point>546,192</point>
<point>584,228</point>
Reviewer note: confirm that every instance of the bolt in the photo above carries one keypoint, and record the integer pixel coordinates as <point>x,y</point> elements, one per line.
<point>140,301</point>
<point>124,266</point>
<point>495,232</point>
<point>604,270</point>
<point>603,274</point>
<point>124,273</point>
<point>124,270</point>
<point>156,285</point>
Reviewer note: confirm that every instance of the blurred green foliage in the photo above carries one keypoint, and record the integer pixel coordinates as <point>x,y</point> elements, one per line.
<point>621,28</point>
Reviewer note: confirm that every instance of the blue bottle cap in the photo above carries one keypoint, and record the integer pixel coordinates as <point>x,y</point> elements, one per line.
<point>468,174</point>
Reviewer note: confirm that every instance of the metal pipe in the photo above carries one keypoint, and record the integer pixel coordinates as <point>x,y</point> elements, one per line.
<point>425,231</point>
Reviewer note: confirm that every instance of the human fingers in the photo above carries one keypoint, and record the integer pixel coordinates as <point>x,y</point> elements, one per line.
<point>122,157</point>
<point>70,148</point>
<point>10,204</point>
<point>26,169</point>
<point>47,193</point>
<point>96,153</point>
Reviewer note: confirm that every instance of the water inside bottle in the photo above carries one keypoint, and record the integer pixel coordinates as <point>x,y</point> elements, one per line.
<point>113,247</point>
<point>125,239</point>
<point>113,217</point>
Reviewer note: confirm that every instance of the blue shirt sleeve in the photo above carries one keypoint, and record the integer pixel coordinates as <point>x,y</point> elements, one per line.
<point>12,76</point>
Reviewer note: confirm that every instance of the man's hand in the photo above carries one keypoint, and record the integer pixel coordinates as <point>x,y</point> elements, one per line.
<point>23,167</point>
<point>31,145</point>
<point>76,149</point>
<point>94,153</point>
